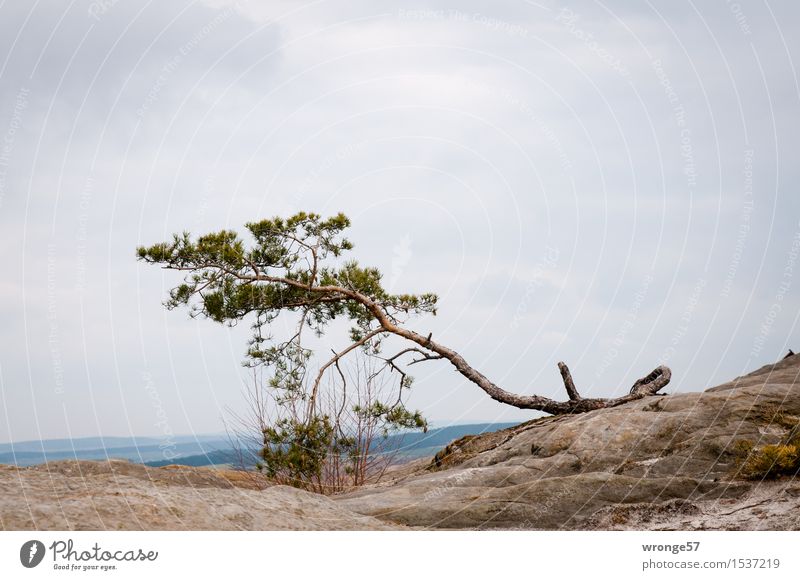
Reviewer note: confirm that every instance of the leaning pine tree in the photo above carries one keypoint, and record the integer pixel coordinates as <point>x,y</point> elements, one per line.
<point>292,265</point>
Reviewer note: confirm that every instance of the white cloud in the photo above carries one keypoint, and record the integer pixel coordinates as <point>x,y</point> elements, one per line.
<point>483,136</point>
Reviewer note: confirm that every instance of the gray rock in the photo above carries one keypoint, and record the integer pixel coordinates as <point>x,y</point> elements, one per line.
<point>117,495</point>
<point>668,463</point>
<point>566,472</point>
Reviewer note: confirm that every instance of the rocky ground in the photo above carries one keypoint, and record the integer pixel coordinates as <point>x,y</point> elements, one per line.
<point>118,495</point>
<point>665,462</point>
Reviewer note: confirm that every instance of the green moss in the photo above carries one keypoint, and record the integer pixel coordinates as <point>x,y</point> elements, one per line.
<point>769,461</point>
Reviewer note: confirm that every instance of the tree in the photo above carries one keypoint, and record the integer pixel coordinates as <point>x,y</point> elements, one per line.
<point>295,266</point>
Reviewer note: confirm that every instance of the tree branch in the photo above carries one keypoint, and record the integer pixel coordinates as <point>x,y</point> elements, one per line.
<point>646,386</point>
<point>572,392</point>
<point>315,389</point>
<point>425,356</point>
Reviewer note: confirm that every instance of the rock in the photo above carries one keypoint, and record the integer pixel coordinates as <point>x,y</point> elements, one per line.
<point>117,495</point>
<point>668,463</point>
<point>580,471</point>
<point>643,516</point>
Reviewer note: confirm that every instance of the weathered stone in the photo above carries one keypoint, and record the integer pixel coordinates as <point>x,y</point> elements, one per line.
<point>658,463</point>
<point>558,472</point>
<point>118,495</point>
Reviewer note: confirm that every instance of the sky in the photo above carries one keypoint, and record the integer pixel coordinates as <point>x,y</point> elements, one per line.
<point>610,184</point>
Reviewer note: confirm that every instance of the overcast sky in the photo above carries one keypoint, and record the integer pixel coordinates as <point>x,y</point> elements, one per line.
<point>612,184</point>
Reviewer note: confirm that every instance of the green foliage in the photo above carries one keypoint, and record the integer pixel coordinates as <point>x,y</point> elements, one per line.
<point>291,266</point>
<point>296,450</point>
<point>392,417</point>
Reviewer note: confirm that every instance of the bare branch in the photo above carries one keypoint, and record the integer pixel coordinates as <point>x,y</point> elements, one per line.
<point>315,389</point>
<point>572,392</point>
<point>425,356</point>
<point>344,392</point>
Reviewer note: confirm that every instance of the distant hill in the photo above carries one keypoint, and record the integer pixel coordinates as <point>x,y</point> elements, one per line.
<point>200,450</point>
<point>406,446</point>
<point>81,444</point>
<point>135,449</point>
<point>215,457</point>
<point>91,443</point>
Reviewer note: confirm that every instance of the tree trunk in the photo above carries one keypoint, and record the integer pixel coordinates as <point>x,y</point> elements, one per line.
<point>644,387</point>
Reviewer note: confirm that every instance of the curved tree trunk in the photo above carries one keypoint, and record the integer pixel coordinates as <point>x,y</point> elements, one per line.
<point>644,387</point>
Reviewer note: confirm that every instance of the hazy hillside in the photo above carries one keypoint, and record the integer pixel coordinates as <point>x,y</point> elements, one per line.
<point>136,449</point>
<point>404,446</point>
<point>203,450</point>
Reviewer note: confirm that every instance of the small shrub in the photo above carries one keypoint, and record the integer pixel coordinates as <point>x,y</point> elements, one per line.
<point>295,451</point>
<point>771,462</point>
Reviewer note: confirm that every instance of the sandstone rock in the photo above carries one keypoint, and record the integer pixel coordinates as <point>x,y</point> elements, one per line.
<point>117,495</point>
<point>666,462</point>
<point>558,472</point>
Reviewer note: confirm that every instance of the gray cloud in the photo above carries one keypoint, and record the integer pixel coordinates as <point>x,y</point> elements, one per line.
<point>649,148</point>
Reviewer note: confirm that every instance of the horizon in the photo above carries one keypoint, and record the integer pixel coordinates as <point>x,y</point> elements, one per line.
<point>223,435</point>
